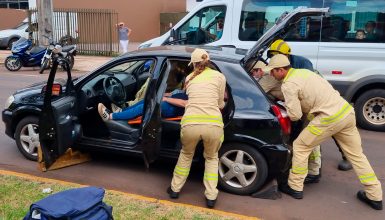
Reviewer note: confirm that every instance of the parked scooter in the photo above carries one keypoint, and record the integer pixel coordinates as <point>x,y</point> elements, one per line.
<point>56,50</point>
<point>22,56</point>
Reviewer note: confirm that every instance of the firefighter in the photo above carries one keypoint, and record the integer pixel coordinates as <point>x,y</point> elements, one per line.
<point>333,116</point>
<point>273,87</point>
<point>298,62</point>
<point>202,121</point>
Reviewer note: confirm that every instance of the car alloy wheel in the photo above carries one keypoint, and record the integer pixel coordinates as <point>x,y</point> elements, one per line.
<point>242,169</point>
<point>27,137</point>
<point>238,169</point>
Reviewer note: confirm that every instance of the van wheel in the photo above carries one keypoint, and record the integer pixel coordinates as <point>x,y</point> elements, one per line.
<point>370,110</point>
<point>242,169</point>
<point>27,137</point>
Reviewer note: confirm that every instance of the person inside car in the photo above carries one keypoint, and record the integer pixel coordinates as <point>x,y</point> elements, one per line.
<point>172,105</point>
<point>139,96</point>
<point>219,31</point>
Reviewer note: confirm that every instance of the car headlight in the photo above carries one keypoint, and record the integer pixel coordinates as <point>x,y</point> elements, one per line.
<point>145,46</point>
<point>9,101</point>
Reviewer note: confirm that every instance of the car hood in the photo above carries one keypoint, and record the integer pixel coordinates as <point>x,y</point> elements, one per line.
<point>279,30</point>
<point>38,86</point>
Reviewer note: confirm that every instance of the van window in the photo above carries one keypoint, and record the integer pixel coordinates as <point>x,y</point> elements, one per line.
<point>257,16</point>
<point>354,21</point>
<point>204,27</point>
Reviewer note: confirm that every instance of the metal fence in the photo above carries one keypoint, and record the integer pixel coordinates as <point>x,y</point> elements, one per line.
<point>92,30</point>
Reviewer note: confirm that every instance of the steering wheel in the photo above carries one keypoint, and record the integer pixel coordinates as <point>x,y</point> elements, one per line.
<point>114,90</point>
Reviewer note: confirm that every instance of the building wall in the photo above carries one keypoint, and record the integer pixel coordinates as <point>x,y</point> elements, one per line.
<point>9,18</point>
<point>143,16</point>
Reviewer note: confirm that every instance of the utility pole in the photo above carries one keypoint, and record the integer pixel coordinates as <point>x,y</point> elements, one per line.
<point>45,14</point>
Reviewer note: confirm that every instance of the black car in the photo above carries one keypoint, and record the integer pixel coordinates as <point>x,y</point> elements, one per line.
<point>256,129</point>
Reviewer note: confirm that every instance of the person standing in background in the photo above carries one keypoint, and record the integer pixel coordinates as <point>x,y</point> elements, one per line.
<point>124,32</point>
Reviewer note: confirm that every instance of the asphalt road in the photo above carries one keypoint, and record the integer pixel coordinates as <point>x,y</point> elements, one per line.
<point>332,198</point>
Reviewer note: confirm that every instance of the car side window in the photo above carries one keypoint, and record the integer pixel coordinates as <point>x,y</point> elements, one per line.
<point>257,16</point>
<point>204,27</point>
<point>354,21</point>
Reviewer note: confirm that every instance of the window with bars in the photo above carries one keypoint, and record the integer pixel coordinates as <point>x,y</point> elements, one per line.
<point>15,4</point>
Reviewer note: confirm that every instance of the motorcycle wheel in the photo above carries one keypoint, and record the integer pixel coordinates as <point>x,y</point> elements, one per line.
<point>44,65</point>
<point>12,63</point>
<point>71,62</point>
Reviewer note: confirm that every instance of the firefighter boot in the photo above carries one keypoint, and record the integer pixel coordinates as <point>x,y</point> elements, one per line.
<point>377,205</point>
<point>172,194</point>
<point>285,188</point>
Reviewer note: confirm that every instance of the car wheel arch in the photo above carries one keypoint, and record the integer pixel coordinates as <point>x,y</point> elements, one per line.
<point>362,85</point>
<point>21,114</point>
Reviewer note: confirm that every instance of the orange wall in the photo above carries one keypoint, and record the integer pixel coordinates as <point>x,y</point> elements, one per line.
<point>9,18</point>
<point>142,16</point>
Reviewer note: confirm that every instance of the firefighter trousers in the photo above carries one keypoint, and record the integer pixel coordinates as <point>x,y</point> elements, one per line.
<point>212,137</point>
<point>347,135</point>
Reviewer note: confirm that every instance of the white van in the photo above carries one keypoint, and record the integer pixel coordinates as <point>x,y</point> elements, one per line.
<point>354,65</point>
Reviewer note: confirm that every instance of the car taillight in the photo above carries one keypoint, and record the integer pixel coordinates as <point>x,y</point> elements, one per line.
<point>283,119</point>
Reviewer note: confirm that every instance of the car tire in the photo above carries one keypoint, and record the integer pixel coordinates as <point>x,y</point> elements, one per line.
<point>370,110</point>
<point>242,169</point>
<point>12,63</point>
<point>10,42</point>
<point>27,137</point>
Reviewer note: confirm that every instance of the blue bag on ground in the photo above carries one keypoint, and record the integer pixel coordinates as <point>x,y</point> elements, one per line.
<point>75,204</point>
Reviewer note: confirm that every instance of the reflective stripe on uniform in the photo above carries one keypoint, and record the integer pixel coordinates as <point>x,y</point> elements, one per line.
<point>299,170</point>
<point>202,118</point>
<point>181,171</point>
<point>341,113</point>
<point>211,176</point>
<point>297,73</point>
<point>314,130</point>
<point>314,155</point>
<point>368,178</point>
<point>310,117</point>
<point>205,77</point>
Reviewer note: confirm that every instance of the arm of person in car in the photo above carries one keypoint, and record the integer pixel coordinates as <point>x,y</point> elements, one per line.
<point>177,102</point>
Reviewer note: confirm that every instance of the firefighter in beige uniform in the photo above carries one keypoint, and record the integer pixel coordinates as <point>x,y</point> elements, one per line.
<point>202,120</point>
<point>273,87</point>
<point>306,92</point>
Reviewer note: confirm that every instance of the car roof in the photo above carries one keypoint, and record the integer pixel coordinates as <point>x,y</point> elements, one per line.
<point>226,54</point>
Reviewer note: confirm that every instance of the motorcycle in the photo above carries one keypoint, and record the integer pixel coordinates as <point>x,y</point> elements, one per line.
<point>56,50</point>
<point>22,56</point>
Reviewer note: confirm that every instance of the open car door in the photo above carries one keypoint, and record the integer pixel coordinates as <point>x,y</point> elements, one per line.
<point>58,122</point>
<point>151,125</point>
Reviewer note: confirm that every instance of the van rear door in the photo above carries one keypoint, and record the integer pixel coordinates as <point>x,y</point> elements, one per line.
<point>281,28</point>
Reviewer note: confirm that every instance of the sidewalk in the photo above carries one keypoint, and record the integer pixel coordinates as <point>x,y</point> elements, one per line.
<point>82,63</point>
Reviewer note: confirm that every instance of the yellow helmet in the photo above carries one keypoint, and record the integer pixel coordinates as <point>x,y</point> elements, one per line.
<point>279,46</point>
